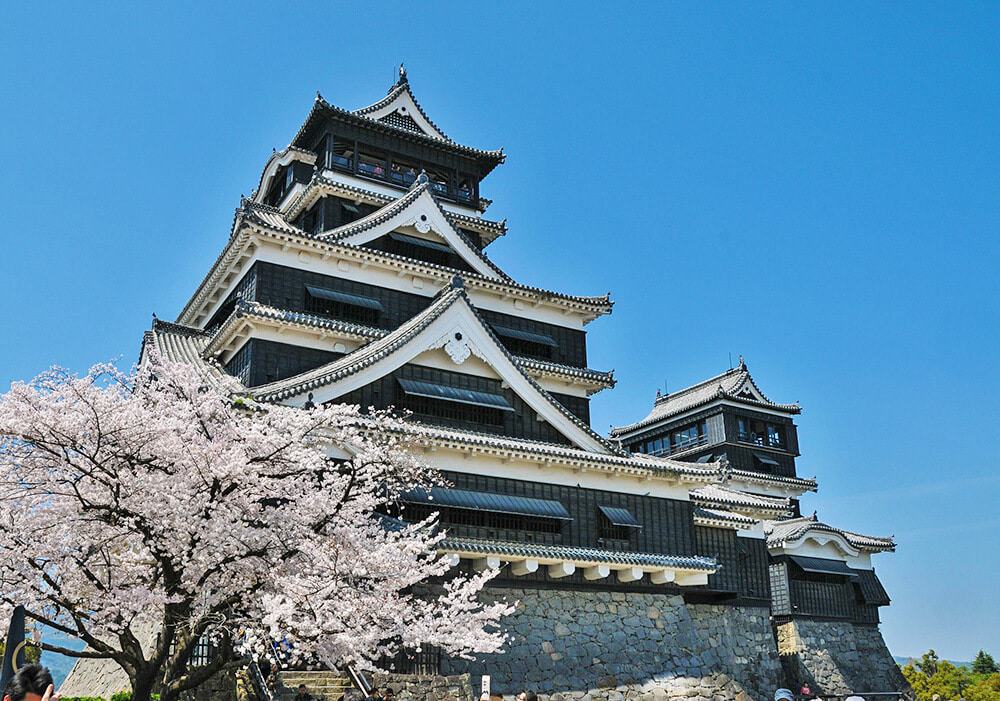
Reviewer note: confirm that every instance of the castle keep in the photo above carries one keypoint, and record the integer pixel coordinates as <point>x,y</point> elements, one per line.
<point>669,559</point>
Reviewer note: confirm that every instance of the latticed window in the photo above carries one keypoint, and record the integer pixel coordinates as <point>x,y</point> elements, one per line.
<point>342,305</point>
<point>442,409</point>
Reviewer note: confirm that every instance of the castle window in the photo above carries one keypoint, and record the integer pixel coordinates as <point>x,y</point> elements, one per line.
<point>688,436</point>
<point>341,305</point>
<point>488,515</point>
<point>342,154</point>
<point>403,172</point>
<point>439,180</point>
<point>760,432</point>
<point>766,462</point>
<point>533,345</point>
<point>420,249</point>
<point>431,400</point>
<point>615,527</point>
<point>373,163</point>
<point>466,188</point>
<point>349,212</point>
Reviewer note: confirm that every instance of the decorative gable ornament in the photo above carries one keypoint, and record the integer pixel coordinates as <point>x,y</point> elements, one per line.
<point>422,223</point>
<point>457,349</point>
<point>456,345</point>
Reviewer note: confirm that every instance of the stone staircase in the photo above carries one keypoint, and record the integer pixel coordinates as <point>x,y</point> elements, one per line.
<point>322,685</point>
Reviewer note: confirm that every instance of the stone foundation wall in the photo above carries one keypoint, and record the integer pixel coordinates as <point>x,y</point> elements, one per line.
<point>414,687</point>
<point>618,646</point>
<point>838,657</point>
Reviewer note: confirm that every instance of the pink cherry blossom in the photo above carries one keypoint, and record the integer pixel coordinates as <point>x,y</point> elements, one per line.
<point>150,501</point>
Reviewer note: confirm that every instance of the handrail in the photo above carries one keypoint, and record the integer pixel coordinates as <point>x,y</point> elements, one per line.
<point>686,445</point>
<point>259,683</point>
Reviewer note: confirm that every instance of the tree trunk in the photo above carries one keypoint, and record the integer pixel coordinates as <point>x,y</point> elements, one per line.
<point>142,685</point>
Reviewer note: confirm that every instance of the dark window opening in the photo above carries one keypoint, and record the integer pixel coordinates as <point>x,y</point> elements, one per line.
<point>420,249</point>
<point>351,156</point>
<point>466,188</point>
<point>526,343</point>
<point>340,305</point>
<point>763,433</point>
<point>403,172</point>
<point>342,154</point>
<point>679,439</point>
<point>439,180</point>
<point>427,408</point>
<point>489,525</point>
<point>373,163</point>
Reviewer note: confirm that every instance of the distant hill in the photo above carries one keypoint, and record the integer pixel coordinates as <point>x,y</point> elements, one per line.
<point>903,660</point>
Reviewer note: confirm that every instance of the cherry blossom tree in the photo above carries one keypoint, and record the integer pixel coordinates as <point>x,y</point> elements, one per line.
<point>143,512</point>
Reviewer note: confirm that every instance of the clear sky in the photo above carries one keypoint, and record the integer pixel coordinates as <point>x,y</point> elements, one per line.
<point>814,186</point>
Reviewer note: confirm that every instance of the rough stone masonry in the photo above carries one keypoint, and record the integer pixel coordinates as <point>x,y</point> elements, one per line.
<point>615,646</point>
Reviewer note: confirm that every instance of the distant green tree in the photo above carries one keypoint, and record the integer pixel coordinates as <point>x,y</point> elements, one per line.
<point>986,689</point>
<point>928,663</point>
<point>933,679</point>
<point>984,664</point>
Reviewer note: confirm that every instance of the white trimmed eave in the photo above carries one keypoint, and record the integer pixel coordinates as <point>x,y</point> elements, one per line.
<point>240,328</point>
<point>545,456</point>
<point>250,235</point>
<point>773,487</point>
<point>753,512</point>
<point>819,538</point>
<point>277,160</point>
<point>337,184</point>
<point>405,105</point>
<point>639,428</point>
<point>593,570</point>
<point>425,216</point>
<point>459,320</point>
<point>753,529</point>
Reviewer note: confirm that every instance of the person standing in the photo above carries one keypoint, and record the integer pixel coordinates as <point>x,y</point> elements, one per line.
<point>32,682</point>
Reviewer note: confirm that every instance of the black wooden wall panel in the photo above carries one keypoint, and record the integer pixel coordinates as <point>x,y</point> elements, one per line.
<point>667,524</point>
<point>284,287</point>
<point>521,423</point>
<point>260,361</point>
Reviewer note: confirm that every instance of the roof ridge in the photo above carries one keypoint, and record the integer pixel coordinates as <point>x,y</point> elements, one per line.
<point>320,103</point>
<point>402,85</point>
<point>671,395</point>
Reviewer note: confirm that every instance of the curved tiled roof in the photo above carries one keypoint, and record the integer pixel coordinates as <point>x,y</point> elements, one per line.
<point>377,350</point>
<point>781,532</point>
<point>728,519</point>
<point>488,159</point>
<point>735,385</point>
<point>268,220</point>
<point>584,555</point>
<point>564,454</point>
<point>244,309</point>
<point>184,344</point>
<point>319,183</point>
<point>399,87</point>
<point>804,483</point>
<point>396,207</point>
<point>717,495</point>
<point>361,358</point>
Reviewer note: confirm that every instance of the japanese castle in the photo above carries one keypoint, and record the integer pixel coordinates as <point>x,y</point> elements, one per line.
<point>673,550</point>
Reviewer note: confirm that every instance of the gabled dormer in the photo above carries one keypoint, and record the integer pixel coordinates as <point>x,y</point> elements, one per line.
<point>390,142</point>
<point>725,416</point>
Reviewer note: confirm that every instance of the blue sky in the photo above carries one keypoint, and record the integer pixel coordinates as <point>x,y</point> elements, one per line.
<point>812,186</point>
